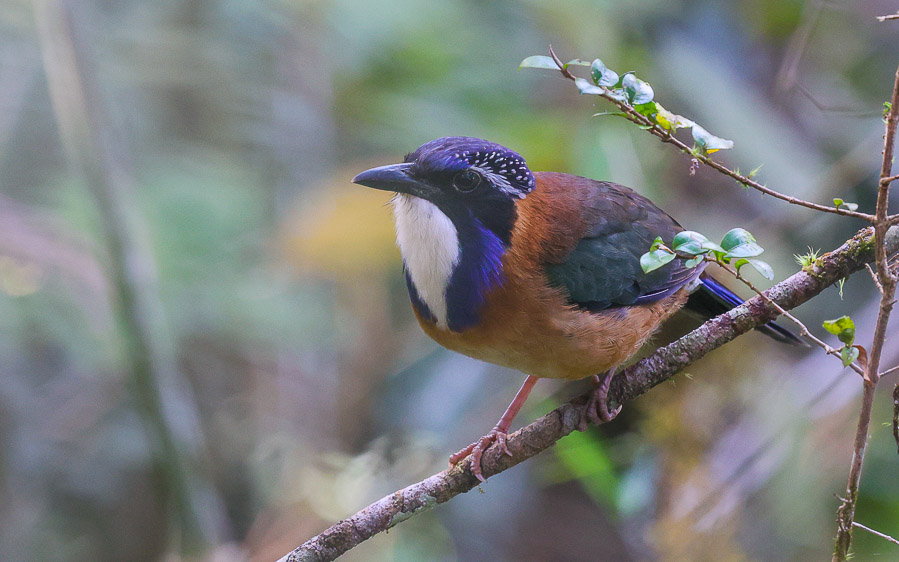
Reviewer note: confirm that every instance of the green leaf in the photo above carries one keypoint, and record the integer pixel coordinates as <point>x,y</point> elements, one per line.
<point>687,236</point>
<point>762,267</point>
<point>638,91</point>
<point>713,247</point>
<point>618,95</point>
<point>602,75</point>
<point>843,328</point>
<point>620,83</point>
<point>740,243</point>
<point>747,250</point>
<point>848,354</point>
<point>689,242</point>
<point>708,143</point>
<point>671,121</point>
<point>585,87</point>
<point>651,261</point>
<point>736,237</point>
<point>693,262</point>
<point>576,62</point>
<point>754,171</point>
<point>649,109</point>
<point>538,61</point>
<point>842,204</point>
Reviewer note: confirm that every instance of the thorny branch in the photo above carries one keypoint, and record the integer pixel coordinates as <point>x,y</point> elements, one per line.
<point>627,385</point>
<point>666,136</point>
<point>887,279</point>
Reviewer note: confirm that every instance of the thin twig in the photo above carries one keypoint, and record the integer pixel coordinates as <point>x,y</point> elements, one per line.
<point>896,415</point>
<point>874,278</point>
<point>846,511</point>
<point>873,532</point>
<point>887,18</point>
<point>889,371</point>
<point>804,331</point>
<point>665,136</point>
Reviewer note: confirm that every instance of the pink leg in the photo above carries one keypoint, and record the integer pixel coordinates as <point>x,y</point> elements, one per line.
<point>597,408</point>
<point>498,434</point>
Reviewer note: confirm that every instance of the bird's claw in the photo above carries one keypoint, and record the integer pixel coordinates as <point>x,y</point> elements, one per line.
<point>596,410</point>
<point>477,449</point>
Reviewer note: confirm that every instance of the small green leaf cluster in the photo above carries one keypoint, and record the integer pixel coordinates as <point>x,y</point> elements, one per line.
<point>628,89</point>
<point>807,259</point>
<point>844,328</point>
<point>840,204</point>
<point>738,247</point>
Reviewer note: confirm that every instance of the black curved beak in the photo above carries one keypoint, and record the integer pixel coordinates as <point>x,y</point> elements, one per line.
<point>394,177</point>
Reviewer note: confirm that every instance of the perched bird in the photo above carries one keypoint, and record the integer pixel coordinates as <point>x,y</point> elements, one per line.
<point>537,271</point>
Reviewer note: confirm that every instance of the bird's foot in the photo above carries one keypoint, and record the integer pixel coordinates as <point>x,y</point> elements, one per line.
<point>596,410</point>
<point>476,450</point>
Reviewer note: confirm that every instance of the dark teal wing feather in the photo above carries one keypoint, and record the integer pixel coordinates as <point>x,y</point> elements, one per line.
<point>603,270</point>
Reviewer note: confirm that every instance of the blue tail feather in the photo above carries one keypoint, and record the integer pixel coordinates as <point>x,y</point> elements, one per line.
<point>712,298</point>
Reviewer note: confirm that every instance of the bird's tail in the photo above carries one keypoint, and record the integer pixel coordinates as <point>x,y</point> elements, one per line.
<point>712,299</point>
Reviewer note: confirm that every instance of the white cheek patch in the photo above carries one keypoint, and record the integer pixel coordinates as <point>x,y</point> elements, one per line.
<point>429,243</point>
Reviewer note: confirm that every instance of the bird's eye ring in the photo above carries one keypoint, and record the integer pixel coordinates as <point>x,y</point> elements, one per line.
<point>466,181</point>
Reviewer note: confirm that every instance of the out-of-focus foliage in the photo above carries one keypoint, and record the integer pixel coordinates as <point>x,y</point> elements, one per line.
<point>238,125</point>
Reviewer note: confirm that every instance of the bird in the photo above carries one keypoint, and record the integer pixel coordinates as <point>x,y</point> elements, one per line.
<point>536,271</point>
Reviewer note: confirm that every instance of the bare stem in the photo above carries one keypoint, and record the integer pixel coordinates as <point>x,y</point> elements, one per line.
<point>846,511</point>
<point>896,415</point>
<point>873,532</point>
<point>804,331</point>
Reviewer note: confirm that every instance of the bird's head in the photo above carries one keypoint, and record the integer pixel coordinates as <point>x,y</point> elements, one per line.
<point>466,178</point>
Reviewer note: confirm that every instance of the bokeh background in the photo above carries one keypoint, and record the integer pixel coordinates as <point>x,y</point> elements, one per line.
<point>206,347</point>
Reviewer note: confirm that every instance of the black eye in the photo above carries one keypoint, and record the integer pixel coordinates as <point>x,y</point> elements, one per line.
<point>466,181</point>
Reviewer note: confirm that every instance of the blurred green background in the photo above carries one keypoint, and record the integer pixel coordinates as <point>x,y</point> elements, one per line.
<point>206,347</point>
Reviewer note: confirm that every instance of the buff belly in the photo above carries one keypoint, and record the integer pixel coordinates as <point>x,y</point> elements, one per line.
<point>569,343</point>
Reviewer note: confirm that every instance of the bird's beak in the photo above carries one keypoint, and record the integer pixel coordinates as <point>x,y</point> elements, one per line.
<point>394,177</point>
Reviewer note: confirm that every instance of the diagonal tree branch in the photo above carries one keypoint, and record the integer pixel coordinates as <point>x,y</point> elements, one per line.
<point>631,114</point>
<point>627,385</point>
